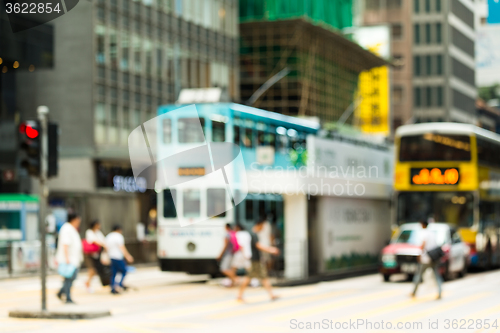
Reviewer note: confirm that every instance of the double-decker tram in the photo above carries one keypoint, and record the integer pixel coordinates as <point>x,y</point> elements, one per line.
<point>450,172</point>
<point>265,139</point>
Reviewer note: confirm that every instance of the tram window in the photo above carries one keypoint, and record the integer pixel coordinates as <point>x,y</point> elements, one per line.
<point>216,202</point>
<point>281,143</point>
<point>218,131</point>
<point>191,201</point>
<point>248,138</point>
<point>189,130</point>
<point>266,139</point>
<point>168,204</point>
<point>487,152</point>
<point>167,131</point>
<point>261,138</point>
<point>236,135</point>
<point>435,147</point>
<point>248,209</point>
<point>262,209</point>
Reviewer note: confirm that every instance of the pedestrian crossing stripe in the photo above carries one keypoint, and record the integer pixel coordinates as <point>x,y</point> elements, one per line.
<point>391,307</point>
<point>280,303</point>
<point>337,304</point>
<point>440,308</point>
<point>226,304</point>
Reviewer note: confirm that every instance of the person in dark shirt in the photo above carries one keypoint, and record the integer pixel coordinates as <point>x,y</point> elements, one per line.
<point>257,269</point>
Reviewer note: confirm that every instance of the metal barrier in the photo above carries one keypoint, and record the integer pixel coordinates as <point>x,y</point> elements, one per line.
<point>21,258</point>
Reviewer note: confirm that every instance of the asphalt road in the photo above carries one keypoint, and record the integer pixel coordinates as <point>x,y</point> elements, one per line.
<point>174,302</point>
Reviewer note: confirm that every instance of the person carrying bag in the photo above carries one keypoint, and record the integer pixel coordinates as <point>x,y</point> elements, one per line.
<point>430,258</point>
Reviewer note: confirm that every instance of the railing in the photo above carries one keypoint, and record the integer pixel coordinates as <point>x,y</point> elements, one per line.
<point>21,258</point>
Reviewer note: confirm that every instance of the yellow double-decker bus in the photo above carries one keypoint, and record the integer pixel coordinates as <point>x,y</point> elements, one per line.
<point>450,172</point>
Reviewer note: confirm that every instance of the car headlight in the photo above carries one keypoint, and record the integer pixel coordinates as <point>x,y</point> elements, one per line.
<point>388,258</point>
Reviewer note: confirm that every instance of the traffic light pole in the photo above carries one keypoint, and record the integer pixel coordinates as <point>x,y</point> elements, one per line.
<point>43,112</point>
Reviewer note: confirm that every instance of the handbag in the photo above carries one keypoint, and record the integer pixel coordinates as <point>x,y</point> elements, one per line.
<point>435,254</point>
<point>105,259</point>
<point>90,248</point>
<point>66,270</point>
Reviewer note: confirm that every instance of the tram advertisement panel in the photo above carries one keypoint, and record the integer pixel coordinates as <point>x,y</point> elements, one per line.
<point>353,231</point>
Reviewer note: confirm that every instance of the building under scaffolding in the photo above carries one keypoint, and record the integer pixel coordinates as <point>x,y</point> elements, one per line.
<point>324,65</point>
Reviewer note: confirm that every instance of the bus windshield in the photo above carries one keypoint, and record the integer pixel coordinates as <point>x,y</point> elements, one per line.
<point>435,147</point>
<point>450,207</point>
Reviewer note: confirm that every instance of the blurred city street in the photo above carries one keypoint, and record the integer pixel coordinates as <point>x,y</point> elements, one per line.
<point>175,302</point>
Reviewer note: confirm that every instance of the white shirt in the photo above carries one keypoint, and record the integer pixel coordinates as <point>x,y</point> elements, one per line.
<point>245,242</point>
<point>114,241</point>
<point>429,238</point>
<point>265,234</point>
<point>69,236</point>
<point>94,236</point>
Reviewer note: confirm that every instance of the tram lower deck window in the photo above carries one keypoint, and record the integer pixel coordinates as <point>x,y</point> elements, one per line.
<point>191,201</point>
<point>168,204</point>
<point>216,202</point>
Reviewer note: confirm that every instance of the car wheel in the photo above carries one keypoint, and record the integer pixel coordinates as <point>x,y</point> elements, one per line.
<point>387,277</point>
<point>463,272</point>
<point>447,273</point>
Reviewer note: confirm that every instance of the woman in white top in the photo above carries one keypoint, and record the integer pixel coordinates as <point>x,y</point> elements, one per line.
<point>93,235</point>
<point>69,251</point>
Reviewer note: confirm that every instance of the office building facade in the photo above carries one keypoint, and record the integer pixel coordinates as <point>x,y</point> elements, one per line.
<point>116,61</point>
<point>434,42</point>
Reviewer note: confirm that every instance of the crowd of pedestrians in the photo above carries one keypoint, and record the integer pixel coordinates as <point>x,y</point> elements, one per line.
<point>248,252</point>
<point>103,256</point>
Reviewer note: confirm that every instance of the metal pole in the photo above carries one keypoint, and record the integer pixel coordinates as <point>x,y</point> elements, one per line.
<point>42,116</point>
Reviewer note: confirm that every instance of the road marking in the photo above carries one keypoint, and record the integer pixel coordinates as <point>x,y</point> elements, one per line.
<point>134,329</point>
<point>280,303</point>
<point>441,307</point>
<point>337,304</point>
<point>226,304</point>
<point>388,308</point>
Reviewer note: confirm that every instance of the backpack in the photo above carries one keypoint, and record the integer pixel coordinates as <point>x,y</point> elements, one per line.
<point>234,241</point>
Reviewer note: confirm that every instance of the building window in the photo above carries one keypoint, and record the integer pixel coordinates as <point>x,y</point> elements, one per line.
<point>417,66</point>
<point>427,6</point>
<point>438,6</point>
<point>418,97</point>
<point>100,122</point>
<point>397,31</point>
<point>439,64</point>
<point>440,97</point>
<point>416,6</point>
<point>416,29</point>
<point>428,65</point>
<point>428,96</point>
<point>397,94</point>
<point>428,33</point>
<point>126,118</point>
<point>439,33</point>
<point>398,60</point>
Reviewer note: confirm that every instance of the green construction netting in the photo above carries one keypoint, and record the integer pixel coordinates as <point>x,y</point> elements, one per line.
<point>334,13</point>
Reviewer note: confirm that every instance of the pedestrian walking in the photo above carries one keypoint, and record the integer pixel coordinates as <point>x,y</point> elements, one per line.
<point>226,257</point>
<point>257,268</point>
<point>430,258</point>
<point>118,253</point>
<point>69,255</point>
<point>93,244</point>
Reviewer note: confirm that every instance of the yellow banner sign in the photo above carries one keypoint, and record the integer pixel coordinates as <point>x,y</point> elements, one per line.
<point>372,113</point>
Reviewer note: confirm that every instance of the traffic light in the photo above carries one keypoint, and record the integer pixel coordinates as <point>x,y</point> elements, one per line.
<point>31,137</point>
<point>31,144</point>
<point>53,158</point>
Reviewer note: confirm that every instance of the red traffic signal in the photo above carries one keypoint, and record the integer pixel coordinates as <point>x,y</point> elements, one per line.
<point>29,130</point>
